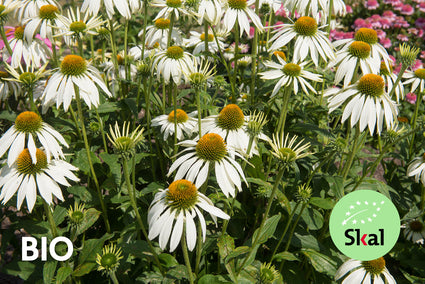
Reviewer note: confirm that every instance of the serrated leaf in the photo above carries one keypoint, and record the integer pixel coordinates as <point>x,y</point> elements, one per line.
<point>81,161</point>
<point>178,272</point>
<point>239,251</point>
<point>226,245</point>
<point>285,255</point>
<point>59,214</point>
<point>312,218</point>
<point>108,107</point>
<point>63,274</point>
<point>322,263</point>
<point>268,229</point>
<point>210,279</point>
<point>112,160</point>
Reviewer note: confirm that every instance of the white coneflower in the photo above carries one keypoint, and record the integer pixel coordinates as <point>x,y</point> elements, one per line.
<point>110,258</point>
<point>368,103</point>
<point>35,52</point>
<point>74,72</point>
<point>109,69</point>
<point>8,87</point>
<point>416,79</point>
<point>197,41</point>
<point>26,177</point>
<point>309,39</point>
<point>370,36</point>
<point>27,77</point>
<point>417,169</point>
<point>6,7</point>
<point>290,75</point>
<point>29,8</point>
<point>185,123</point>
<point>28,126</point>
<point>210,10</point>
<point>286,150</point>
<point>390,78</point>
<point>124,7</point>
<point>209,151</point>
<point>239,11</point>
<point>125,142</point>
<point>414,231</point>
<point>76,26</point>
<point>170,7</point>
<point>158,33</point>
<point>180,202</point>
<point>372,271</point>
<point>350,56</point>
<point>172,64</point>
<point>42,23</point>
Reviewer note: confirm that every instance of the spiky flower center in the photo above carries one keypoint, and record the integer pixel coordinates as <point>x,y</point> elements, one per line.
<point>359,49</point>
<point>28,122</point>
<point>4,74</point>
<point>109,260</point>
<point>268,274</point>
<point>175,52</point>
<point>292,70</point>
<point>306,26</point>
<point>162,23</point>
<point>416,226</point>
<point>211,147</point>
<point>19,32</point>
<point>174,3</point>
<point>73,65</point>
<point>367,35</point>
<point>384,69</point>
<point>27,78</point>
<point>25,165</point>
<point>420,73</point>
<point>371,85</point>
<point>287,154</point>
<point>237,4</point>
<point>77,217</point>
<point>78,27</point>
<point>181,116</point>
<point>48,12</point>
<point>375,266</point>
<point>231,117</point>
<point>182,194</point>
<point>210,37</point>
<point>125,143</point>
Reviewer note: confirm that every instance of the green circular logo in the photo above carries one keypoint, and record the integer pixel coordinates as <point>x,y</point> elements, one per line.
<point>364,225</point>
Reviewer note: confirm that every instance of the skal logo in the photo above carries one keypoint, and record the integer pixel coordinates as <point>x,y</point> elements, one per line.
<point>364,225</point>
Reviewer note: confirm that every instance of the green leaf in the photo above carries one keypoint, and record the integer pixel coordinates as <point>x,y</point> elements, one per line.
<point>322,263</point>
<point>268,229</point>
<point>63,274</point>
<point>376,185</point>
<point>305,241</point>
<point>112,160</point>
<point>84,269</point>
<point>91,248</point>
<point>260,182</point>
<point>138,248</point>
<point>226,245</point>
<point>91,217</point>
<point>49,268</point>
<point>168,260</point>
<point>176,273</point>
<point>213,279</point>
<point>336,184</point>
<point>59,214</point>
<point>325,203</point>
<point>236,253</point>
<point>312,218</point>
<point>8,115</point>
<point>286,255</point>
<point>81,161</point>
<point>81,193</point>
<point>108,107</point>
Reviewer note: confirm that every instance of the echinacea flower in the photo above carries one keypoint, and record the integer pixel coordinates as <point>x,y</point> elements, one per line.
<point>231,123</point>
<point>6,7</point>
<point>8,87</point>
<point>309,39</point>
<point>25,177</point>
<point>197,41</point>
<point>368,103</point>
<point>239,12</point>
<point>390,79</point>
<point>74,73</point>
<point>125,142</point>
<point>170,8</point>
<point>210,10</point>
<point>414,231</point>
<point>27,77</point>
<point>110,258</point>
<point>180,202</point>
<point>357,53</point>
<point>158,33</point>
<point>416,79</point>
<point>29,8</point>
<point>28,126</point>
<point>210,151</point>
<point>41,23</point>
<point>185,123</point>
<point>92,7</point>
<point>172,64</point>
<point>417,169</point>
<point>372,271</point>
<point>286,150</point>
<point>77,213</point>
<point>290,75</point>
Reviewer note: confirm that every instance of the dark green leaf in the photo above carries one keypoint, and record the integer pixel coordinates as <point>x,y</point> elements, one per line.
<point>322,263</point>
<point>59,214</point>
<point>239,251</point>
<point>213,279</point>
<point>325,203</point>
<point>286,255</point>
<point>81,193</point>
<point>63,274</point>
<point>84,269</point>
<point>167,260</point>
<point>49,268</point>
<point>91,217</point>
<point>268,229</point>
<point>112,160</point>
<point>91,248</point>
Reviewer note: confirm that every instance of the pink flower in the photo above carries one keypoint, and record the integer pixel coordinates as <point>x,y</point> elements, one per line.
<point>389,15</point>
<point>421,7</point>
<point>386,42</point>
<point>402,37</point>
<point>400,22</point>
<point>349,9</point>
<point>422,54</point>
<point>407,10</point>
<point>420,23</point>
<point>361,23</point>
<point>281,12</point>
<point>251,32</point>
<point>418,64</point>
<point>397,5</point>
<point>411,98</point>
<point>381,34</point>
<point>371,4</point>
<point>385,23</point>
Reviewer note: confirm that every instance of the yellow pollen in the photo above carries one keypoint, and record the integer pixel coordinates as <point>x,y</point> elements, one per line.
<point>420,73</point>
<point>174,3</point>
<point>375,266</point>
<point>359,49</point>
<point>231,117</point>
<point>48,12</point>
<point>210,37</point>
<point>28,122</point>
<point>306,26</point>
<point>181,116</point>
<point>25,164</point>
<point>175,52</point>
<point>211,147</point>
<point>19,32</point>
<point>77,27</point>
<point>367,35</point>
<point>281,54</point>
<point>73,65</point>
<point>371,85</point>
<point>162,23</point>
<point>292,70</point>
<point>237,4</point>
<point>182,194</point>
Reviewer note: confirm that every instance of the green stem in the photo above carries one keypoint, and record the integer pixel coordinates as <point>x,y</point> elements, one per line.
<point>285,230</point>
<point>145,24</point>
<point>170,31</point>
<point>80,47</point>
<point>132,195</point>
<point>266,214</point>
<point>328,28</point>
<point>353,152</point>
<point>413,122</point>
<point>4,38</point>
<point>55,57</point>
<point>113,277</point>
<point>31,99</point>
<point>422,204</point>
<point>235,69</point>
<point>102,131</point>
<point>174,91</point>
<point>126,65</point>
<point>186,256</point>
<point>206,37</point>
<point>254,58</point>
<point>399,76</point>
<point>92,48</point>
<point>88,152</point>
<point>114,52</point>
<point>198,106</point>
<point>284,111</point>
<point>50,219</point>
<point>74,118</point>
